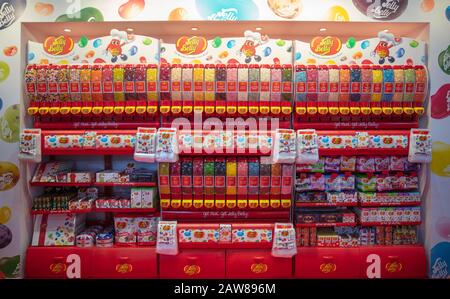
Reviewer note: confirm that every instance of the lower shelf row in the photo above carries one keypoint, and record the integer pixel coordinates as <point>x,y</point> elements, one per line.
<point>122,262</point>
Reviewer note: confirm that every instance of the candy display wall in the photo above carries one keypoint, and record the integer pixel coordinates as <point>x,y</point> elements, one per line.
<point>14,226</point>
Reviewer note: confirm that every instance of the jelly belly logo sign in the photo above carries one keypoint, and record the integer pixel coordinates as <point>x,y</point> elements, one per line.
<point>325,46</point>
<point>10,11</point>
<point>194,45</point>
<point>58,46</point>
<point>71,267</point>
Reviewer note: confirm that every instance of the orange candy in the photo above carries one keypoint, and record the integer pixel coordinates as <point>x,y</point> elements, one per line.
<point>178,14</point>
<point>44,9</point>
<point>10,51</point>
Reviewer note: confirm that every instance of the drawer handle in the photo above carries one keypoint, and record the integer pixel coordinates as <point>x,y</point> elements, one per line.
<point>393,257</point>
<point>58,259</point>
<point>258,259</point>
<point>192,259</point>
<point>328,257</point>
<point>124,259</point>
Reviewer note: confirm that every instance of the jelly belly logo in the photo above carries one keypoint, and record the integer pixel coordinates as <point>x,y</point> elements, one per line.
<point>225,14</point>
<point>325,46</point>
<point>58,46</point>
<point>327,267</point>
<point>191,270</point>
<point>7,15</point>
<point>194,45</point>
<point>394,267</point>
<point>71,266</point>
<point>258,268</point>
<point>124,268</point>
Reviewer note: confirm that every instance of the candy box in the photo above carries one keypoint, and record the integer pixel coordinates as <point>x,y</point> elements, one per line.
<point>105,239</point>
<point>347,182</point>
<point>146,230</point>
<point>365,164</point>
<point>148,197</point>
<point>398,163</point>
<point>125,228</point>
<point>80,177</point>
<point>201,233</point>
<point>317,181</point>
<point>243,233</point>
<point>366,183</point>
<point>319,166</point>
<point>136,196</point>
<point>57,230</point>
<point>415,214</point>
<point>382,163</point>
<point>48,172</point>
<point>85,239</point>
<point>111,176</point>
<point>332,164</point>
<point>303,217</point>
<point>332,182</point>
<point>348,163</point>
<point>175,177</point>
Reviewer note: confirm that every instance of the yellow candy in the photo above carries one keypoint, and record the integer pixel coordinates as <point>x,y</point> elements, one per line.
<point>43,61</point>
<point>310,61</point>
<point>357,55</point>
<point>196,61</point>
<point>440,163</point>
<point>376,97</point>
<point>178,14</point>
<point>63,62</point>
<point>337,13</point>
<point>377,76</point>
<point>198,74</point>
<point>210,74</point>
<point>176,61</point>
<point>151,74</point>
<point>5,214</point>
<point>223,55</point>
<point>330,62</point>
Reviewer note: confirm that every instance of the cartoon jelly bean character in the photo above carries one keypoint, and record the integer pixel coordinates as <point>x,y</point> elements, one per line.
<point>387,41</point>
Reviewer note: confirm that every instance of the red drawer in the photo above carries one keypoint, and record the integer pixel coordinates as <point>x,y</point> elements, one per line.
<point>193,264</point>
<point>246,263</point>
<point>314,262</point>
<point>123,262</point>
<point>58,262</point>
<point>393,262</point>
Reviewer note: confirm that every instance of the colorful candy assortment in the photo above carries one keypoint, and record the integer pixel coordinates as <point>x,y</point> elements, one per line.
<point>87,83</point>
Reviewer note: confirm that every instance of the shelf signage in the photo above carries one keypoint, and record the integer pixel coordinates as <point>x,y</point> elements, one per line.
<point>194,45</point>
<point>325,46</point>
<point>58,46</point>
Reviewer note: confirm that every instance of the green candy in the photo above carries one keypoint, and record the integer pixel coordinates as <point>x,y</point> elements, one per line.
<point>4,71</point>
<point>87,14</point>
<point>147,41</point>
<point>442,58</point>
<point>414,43</point>
<point>83,41</point>
<point>9,265</point>
<point>217,41</point>
<point>280,42</point>
<point>351,42</point>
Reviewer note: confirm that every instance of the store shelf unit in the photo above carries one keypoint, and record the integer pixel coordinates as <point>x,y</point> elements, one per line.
<point>97,184</point>
<point>97,210</point>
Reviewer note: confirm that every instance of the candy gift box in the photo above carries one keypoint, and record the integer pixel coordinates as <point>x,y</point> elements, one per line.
<point>243,233</point>
<point>80,177</point>
<point>57,230</point>
<point>199,233</point>
<point>52,171</point>
<point>111,176</point>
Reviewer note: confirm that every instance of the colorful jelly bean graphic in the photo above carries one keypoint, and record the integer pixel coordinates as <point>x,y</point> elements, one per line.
<point>147,41</point>
<point>439,102</point>
<point>216,42</point>
<point>131,9</point>
<point>31,56</point>
<point>11,12</point>
<point>400,52</point>
<point>83,41</point>
<point>9,174</point>
<point>443,227</point>
<point>10,51</point>
<point>427,5</point>
<point>227,10</point>
<point>231,44</point>
<point>5,214</point>
<point>298,56</point>
<point>87,14</point>
<point>5,236</point>
<point>357,55</point>
<point>351,42</point>
<point>440,163</point>
<point>285,9</point>
<point>4,71</point>
<point>384,10</point>
<point>44,9</point>
<point>9,124</point>
<point>447,12</point>
<point>97,43</point>
<point>133,50</point>
<point>444,61</point>
<point>413,44</point>
<point>280,42</point>
<point>365,44</point>
<point>267,51</point>
<point>337,13</point>
<point>178,14</point>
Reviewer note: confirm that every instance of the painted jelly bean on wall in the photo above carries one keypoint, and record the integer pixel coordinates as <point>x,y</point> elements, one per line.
<point>4,71</point>
<point>381,10</point>
<point>440,102</point>
<point>444,60</point>
<point>440,260</point>
<point>287,9</point>
<point>440,163</point>
<point>44,9</point>
<point>227,10</point>
<point>87,14</point>
<point>5,214</point>
<point>11,11</point>
<point>9,124</point>
<point>9,175</point>
<point>10,266</point>
<point>337,13</point>
<point>178,14</point>
<point>131,9</point>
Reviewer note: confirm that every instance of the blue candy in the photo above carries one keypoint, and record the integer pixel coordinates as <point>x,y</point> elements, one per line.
<point>231,44</point>
<point>400,52</point>
<point>97,43</point>
<point>133,50</point>
<point>31,56</point>
<point>365,44</point>
<point>267,51</point>
<point>298,56</point>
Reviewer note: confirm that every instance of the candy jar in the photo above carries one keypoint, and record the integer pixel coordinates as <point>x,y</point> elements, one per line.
<point>232,82</point>
<point>63,83</point>
<point>175,81</point>
<point>96,79</point>
<point>300,83</point>
<point>355,83</point>
<point>264,78</point>
<point>30,82</point>
<point>286,82</point>
<point>221,79</point>
<point>74,83</point>
<point>151,78</point>
<point>243,82</point>
<point>52,83</point>
<point>187,82</point>
<point>128,76</point>
<point>164,81</point>
<point>198,78</point>
<point>275,79</point>
<point>210,77</point>
<point>85,80</point>
<point>107,82</point>
<point>388,80</point>
<point>140,81</point>
<point>118,78</point>
<point>399,82</point>
<point>253,79</point>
